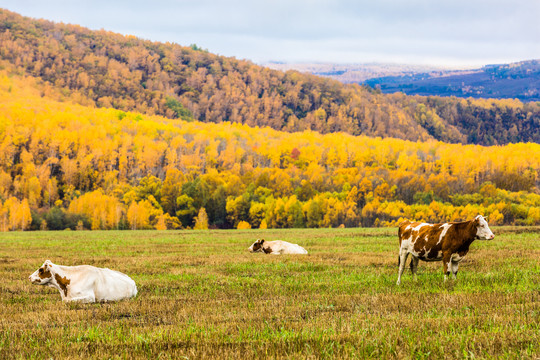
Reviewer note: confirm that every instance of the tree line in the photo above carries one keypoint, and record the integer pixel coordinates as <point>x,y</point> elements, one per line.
<point>64,165</point>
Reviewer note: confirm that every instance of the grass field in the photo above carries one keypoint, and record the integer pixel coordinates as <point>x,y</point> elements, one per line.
<point>202,295</point>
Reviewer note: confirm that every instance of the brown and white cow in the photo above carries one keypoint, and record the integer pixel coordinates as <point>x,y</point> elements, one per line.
<point>448,242</point>
<point>276,247</point>
<point>85,283</point>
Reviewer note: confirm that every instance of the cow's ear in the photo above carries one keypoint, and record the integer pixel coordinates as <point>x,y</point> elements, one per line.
<point>261,241</point>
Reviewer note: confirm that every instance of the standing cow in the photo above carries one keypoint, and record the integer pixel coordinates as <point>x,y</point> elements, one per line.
<point>448,242</point>
<point>85,283</point>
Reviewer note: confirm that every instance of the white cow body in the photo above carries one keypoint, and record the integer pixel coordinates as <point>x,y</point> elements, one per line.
<point>276,247</point>
<point>85,283</point>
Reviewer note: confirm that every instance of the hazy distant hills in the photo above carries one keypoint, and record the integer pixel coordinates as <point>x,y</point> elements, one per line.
<point>109,70</point>
<point>356,73</point>
<point>519,80</point>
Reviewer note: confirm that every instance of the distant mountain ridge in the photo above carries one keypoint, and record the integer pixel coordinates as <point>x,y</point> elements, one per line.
<point>519,80</point>
<point>110,70</point>
<point>355,73</point>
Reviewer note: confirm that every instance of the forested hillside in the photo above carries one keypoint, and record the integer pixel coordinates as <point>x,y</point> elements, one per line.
<point>66,165</point>
<point>131,74</point>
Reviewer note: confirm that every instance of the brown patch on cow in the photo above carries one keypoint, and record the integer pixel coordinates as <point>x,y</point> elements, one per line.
<point>462,253</point>
<point>428,237</point>
<point>258,245</point>
<point>434,252</point>
<point>466,233</point>
<point>63,282</point>
<point>402,233</point>
<point>406,234</point>
<point>44,272</point>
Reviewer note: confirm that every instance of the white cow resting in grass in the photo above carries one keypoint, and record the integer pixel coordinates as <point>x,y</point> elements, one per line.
<point>276,247</point>
<point>85,283</point>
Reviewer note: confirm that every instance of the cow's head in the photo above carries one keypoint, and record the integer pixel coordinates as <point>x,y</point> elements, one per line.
<point>483,232</point>
<point>257,246</point>
<point>43,275</point>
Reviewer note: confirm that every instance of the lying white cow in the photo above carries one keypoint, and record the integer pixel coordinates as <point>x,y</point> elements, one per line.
<point>276,247</point>
<point>85,283</point>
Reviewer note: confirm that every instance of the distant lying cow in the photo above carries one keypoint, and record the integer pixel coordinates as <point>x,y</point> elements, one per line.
<point>276,247</point>
<point>85,283</point>
<point>448,242</point>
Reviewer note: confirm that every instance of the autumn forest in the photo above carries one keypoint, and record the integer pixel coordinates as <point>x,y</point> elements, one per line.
<point>103,131</point>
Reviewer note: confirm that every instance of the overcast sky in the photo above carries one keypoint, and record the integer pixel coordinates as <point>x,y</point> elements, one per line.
<point>455,33</point>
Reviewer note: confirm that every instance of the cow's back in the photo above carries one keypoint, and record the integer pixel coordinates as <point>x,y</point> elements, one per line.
<point>112,285</point>
<point>283,247</point>
<point>297,249</point>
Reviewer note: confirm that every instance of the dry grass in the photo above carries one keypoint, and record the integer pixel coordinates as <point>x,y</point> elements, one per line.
<point>202,295</point>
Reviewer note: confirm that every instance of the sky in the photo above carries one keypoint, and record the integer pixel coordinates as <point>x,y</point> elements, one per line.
<point>449,33</point>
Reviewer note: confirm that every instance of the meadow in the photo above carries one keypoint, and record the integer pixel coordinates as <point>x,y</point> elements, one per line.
<point>203,295</point>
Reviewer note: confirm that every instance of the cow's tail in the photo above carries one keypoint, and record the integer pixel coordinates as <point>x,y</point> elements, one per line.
<point>400,226</point>
<point>399,239</point>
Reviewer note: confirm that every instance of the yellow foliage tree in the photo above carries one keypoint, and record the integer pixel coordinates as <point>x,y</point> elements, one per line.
<point>103,211</point>
<point>18,213</point>
<point>243,225</point>
<point>201,220</point>
<point>140,215</point>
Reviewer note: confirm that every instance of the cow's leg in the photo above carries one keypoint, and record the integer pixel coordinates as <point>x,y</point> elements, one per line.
<point>84,296</point>
<point>82,299</point>
<point>403,254</point>
<point>455,265</point>
<point>414,266</point>
<point>447,262</point>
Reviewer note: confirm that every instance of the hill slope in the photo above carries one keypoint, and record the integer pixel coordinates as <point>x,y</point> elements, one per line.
<point>127,73</point>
